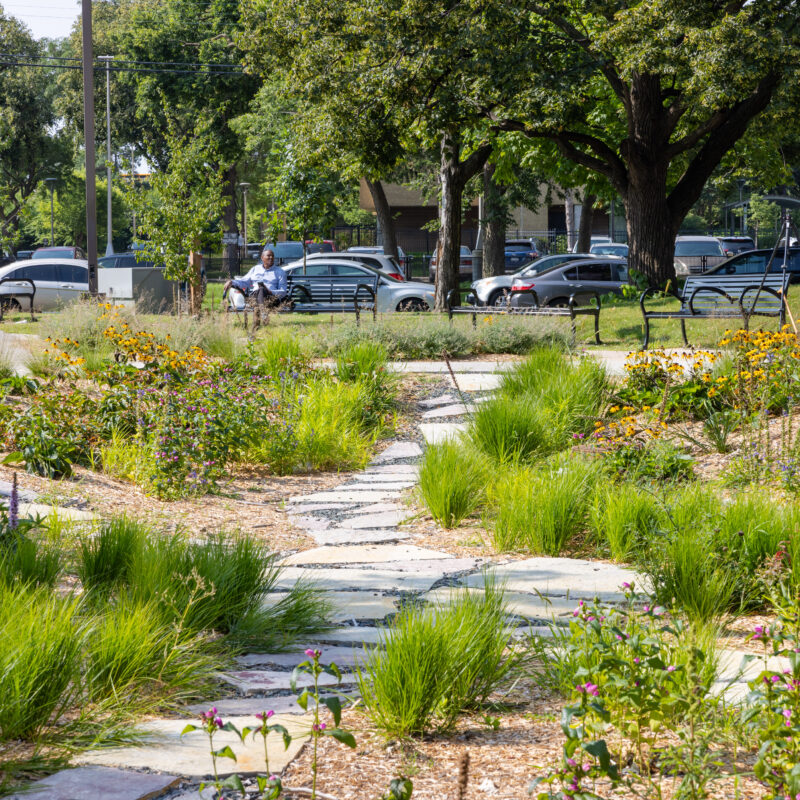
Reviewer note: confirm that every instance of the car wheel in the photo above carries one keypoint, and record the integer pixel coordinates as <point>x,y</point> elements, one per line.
<point>413,304</point>
<point>497,298</point>
<point>559,302</point>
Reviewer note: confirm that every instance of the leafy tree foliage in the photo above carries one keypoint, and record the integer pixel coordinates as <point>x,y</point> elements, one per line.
<point>29,147</point>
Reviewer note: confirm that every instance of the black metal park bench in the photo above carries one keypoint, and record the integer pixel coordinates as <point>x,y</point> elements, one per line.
<point>315,294</point>
<point>571,310</point>
<point>9,297</point>
<point>723,297</point>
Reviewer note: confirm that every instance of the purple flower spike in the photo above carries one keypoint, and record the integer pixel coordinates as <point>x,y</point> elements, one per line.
<point>13,505</point>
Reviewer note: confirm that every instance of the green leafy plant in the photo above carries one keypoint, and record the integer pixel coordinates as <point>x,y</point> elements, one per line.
<point>452,481</point>
<point>432,664</point>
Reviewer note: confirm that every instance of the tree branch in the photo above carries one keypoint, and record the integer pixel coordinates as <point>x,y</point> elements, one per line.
<point>719,141</point>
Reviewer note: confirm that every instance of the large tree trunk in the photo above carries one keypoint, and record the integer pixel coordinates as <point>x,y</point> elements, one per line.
<point>494,224</point>
<point>384,213</point>
<point>453,176</point>
<point>651,235</point>
<point>569,214</point>
<point>587,219</point>
<point>230,252</point>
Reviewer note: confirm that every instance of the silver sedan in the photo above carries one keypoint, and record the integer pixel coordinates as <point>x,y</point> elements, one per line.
<point>493,291</point>
<point>392,295</point>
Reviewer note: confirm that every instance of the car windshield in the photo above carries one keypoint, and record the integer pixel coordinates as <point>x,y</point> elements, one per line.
<point>320,247</point>
<point>519,248</point>
<point>66,252</point>
<point>543,265</point>
<point>286,250</point>
<point>698,249</point>
<point>609,249</point>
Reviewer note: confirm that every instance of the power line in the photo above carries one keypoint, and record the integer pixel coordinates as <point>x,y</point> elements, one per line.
<point>102,68</point>
<point>116,60</point>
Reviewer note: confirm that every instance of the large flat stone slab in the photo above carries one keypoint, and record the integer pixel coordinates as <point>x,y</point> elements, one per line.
<point>397,469</point>
<point>347,579</point>
<point>250,682</point>
<point>312,508</point>
<point>375,508</point>
<point>385,519</point>
<point>309,522</point>
<point>530,606</point>
<point>345,496</point>
<point>454,410</point>
<point>574,577</point>
<point>478,383</point>
<point>449,566</point>
<point>435,402</point>
<point>163,748</point>
<point>347,606</point>
<point>249,706</point>
<point>40,510</point>
<point>397,451</point>
<point>366,485</point>
<point>343,657</point>
<point>457,366</point>
<point>345,536</point>
<point>364,554</point>
<point>386,477</point>
<point>91,783</point>
<point>353,634</point>
<point>435,432</point>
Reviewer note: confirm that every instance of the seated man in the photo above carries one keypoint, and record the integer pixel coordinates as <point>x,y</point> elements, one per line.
<point>265,279</point>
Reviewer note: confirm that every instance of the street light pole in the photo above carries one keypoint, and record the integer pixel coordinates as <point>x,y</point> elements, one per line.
<point>88,133</point>
<point>109,225</point>
<point>51,185</point>
<point>244,187</point>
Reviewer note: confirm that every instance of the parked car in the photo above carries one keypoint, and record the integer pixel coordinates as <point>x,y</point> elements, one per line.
<point>253,250</point>
<point>594,240</point>
<point>23,255</point>
<point>464,264</point>
<point>393,295</point>
<point>58,281</point>
<point>754,262</point>
<point>696,254</point>
<point>610,249</point>
<point>285,252</point>
<point>733,245</point>
<point>120,260</point>
<point>386,264</point>
<point>323,246</point>
<point>554,286</point>
<point>519,252</point>
<point>403,259</point>
<point>492,291</point>
<point>58,252</point>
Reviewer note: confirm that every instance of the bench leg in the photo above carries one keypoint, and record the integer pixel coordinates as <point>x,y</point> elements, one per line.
<point>375,310</point>
<point>573,327</point>
<point>646,339</point>
<point>597,327</point>
<point>683,331</point>
<point>474,320</point>
<point>358,316</point>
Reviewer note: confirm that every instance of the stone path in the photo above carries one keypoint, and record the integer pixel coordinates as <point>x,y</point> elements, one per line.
<point>364,560</point>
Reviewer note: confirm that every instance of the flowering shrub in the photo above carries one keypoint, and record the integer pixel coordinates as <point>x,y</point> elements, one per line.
<point>633,674</point>
<point>774,700</point>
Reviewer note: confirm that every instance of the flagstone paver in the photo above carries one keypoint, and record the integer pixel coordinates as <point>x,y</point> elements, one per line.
<point>385,519</point>
<point>397,451</point>
<point>363,554</point>
<point>344,657</point>
<point>345,496</point>
<point>353,536</point>
<point>478,383</point>
<point>164,749</point>
<point>399,469</point>
<point>91,783</point>
<point>442,400</point>
<point>436,432</point>
<point>367,486</point>
<point>264,681</point>
<point>455,410</point>
<point>349,578</point>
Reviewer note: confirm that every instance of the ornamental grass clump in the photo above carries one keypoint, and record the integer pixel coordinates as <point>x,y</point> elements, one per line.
<point>623,517</point>
<point>543,509</point>
<point>452,481</point>
<point>40,660</point>
<point>432,664</point>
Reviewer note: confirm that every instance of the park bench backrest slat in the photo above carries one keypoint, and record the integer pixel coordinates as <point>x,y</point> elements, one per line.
<point>733,285</point>
<point>331,290</point>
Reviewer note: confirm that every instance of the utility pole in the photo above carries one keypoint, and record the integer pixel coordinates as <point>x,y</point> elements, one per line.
<point>51,182</point>
<point>110,227</point>
<point>244,187</point>
<point>88,133</point>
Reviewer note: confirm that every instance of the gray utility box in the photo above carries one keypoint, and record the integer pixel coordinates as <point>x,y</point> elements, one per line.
<point>142,287</point>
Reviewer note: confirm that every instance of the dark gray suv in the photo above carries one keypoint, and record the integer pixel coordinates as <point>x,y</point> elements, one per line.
<point>555,286</point>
